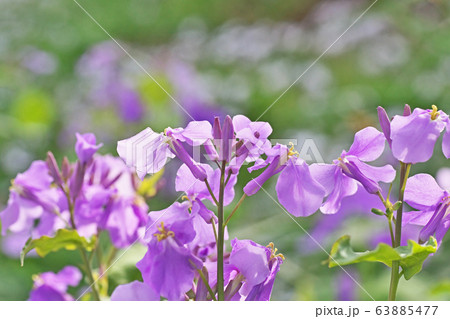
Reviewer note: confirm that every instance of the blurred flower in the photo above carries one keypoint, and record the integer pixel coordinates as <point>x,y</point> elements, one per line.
<point>134,291</point>
<point>49,286</point>
<point>85,147</point>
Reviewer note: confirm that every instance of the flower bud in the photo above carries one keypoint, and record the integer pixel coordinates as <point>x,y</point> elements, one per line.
<point>53,169</point>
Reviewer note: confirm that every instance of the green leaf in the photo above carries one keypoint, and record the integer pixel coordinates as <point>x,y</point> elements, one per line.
<point>64,239</point>
<point>411,257</point>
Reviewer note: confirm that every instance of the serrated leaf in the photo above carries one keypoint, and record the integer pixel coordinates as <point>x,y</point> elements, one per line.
<point>410,257</point>
<point>63,239</point>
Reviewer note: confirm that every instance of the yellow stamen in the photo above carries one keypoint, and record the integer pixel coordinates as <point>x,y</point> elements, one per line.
<point>163,233</point>
<point>292,151</point>
<point>273,251</point>
<point>434,113</point>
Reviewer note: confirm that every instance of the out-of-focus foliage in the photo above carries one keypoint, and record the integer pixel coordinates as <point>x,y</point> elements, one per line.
<point>60,73</point>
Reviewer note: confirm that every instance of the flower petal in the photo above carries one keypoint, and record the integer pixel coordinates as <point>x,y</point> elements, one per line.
<point>368,144</point>
<point>298,191</point>
<point>414,136</point>
<point>446,140</point>
<point>134,291</point>
<point>422,192</point>
<point>343,186</point>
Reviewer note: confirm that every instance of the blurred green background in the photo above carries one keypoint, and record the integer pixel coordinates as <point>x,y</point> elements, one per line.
<point>60,73</point>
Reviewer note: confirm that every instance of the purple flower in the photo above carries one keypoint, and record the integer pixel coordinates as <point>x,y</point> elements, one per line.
<point>49,286</point>
<point>31,198</point>
<point>108,201</point>
<point>346,287</point>
<point>385,122</point>
<point>253,137</point>
<point>169,266</point>
<point>414,136</point>
<point>147,152</point>
<point>131,107</point>
<point>85,147</point>
<point>134,291</point>
<point>297,190</point>
<point>423,193</point>
<point>254,267</point>
<point>196,189</point>
<point>340,178</point>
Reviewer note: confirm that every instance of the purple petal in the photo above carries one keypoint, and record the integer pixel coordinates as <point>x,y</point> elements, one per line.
<point>298,191</point>
<point>134,291</point>
<point>385,124</point>
<point>414,136</point>
<point>240,122</point>
<point>446,140</point>
<point>36,177</point>
<point>255,184</point>
<point>368,145</point>
<point>442,229</point>
<point>417,217</point>
<point>251,260</point>
<point>407,110</point>
<point>85,146</point>
<point>147,152</point>
<point>343,186</point>
<point>422,192</point>
<point>169,268</point>
<point>434,224</point>
<point>197,132</point>
<point>325,175</point>
<point>443,178</point>
<point>197,170</point>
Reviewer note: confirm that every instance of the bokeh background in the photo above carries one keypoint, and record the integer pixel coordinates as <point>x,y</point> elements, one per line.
<point>60,73</point>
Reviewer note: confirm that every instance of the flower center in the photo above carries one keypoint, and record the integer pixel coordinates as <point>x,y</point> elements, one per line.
<point>292,150</point>
<point>163,233</point>
<point>273,252</point>
<point>434,112</point>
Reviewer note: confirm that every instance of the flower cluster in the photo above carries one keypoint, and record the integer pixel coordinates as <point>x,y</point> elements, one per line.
<point>49,286</point>
<point>412,138</point>
<point>185,257</point>
<point>97,193</point>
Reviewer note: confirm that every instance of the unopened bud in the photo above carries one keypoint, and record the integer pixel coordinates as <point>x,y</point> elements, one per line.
<point>53,169</point>
<point>377,211</point>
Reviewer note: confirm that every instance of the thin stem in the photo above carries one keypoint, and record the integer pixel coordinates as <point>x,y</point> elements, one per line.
<point>214,228</point>
<point>205,282</point>
<point>391,232</point>
<point>111,256</point>
<point>86,262</point>
<point>220,239</point>
<point>228,177</point>
<point>382,198</point>
<point>235,209</point>
<point>211,192</point>
<point>395,272</point>
<point>89,273</point>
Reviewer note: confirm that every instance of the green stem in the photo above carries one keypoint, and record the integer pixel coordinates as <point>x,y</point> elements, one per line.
<point>391,231</point>
<point>220,241</point>
<point>211,293</point>
<point>213,223</point>
<point>211,192</point>
<point>395,272</point>
<point>87,266</point>
<point>235,209</point>
<point>86,262</point>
